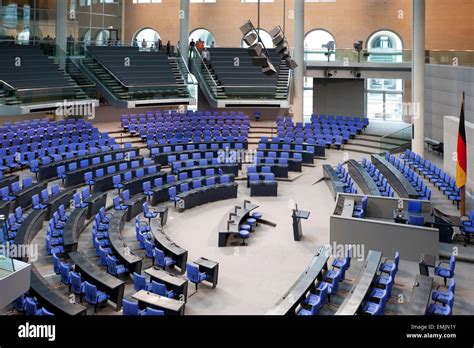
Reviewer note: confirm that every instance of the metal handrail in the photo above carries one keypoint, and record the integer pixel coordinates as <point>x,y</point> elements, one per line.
<point>205,65</point>
<point>7,84</point>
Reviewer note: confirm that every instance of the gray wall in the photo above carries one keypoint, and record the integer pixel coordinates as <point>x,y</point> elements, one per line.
<point>444,85</point>
<point>339,97</point>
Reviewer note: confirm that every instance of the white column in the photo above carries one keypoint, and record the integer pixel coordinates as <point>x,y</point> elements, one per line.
<point>418,77</point>
<point>298,77</point>
<point>184,28</point>
<point>61,25</point>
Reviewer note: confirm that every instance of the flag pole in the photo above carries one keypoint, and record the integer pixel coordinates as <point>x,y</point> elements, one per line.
<point>463,189</point>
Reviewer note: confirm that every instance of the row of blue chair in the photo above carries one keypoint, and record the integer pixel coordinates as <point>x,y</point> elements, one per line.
<point>7,191</point>
<point>440,179</point>
<point>381,289</point>
<point>40,204</point>
<point>30,306</point>
<point>417,182</point>
<point>382,183</point>
<point>313,302</point>
<point>346,179</point>
<point>55,231</point>
<point>443,300</point>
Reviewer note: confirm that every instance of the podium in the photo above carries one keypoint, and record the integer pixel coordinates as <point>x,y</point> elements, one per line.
<point>297,216</point>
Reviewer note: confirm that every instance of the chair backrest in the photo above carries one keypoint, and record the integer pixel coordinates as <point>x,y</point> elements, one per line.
<point>111,265</point>
<point>90,292</point>
<point>158,288</point>
<point>414,207</point>
<point>151,311</point>
<point>130,308</point>
<point>159,256</point>
<point>139,282</point>
<point>76,282</point>
<point>31,307</point>
<point>192,272</point>
<point>416,220</point>
<point>65,273</point>
<point>452,263</point>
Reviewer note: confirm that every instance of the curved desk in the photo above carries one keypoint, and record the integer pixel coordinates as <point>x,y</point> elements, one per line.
<point>335,185</point>
<point>362,178</point>
<point>105,282</point>
<point>226,169</point>
<point>73,228</point>
<point>172,282</point>
<point>76,177</point>
<point>178,254</point>
<point>125,256</point>
<point>23,197</point>
<point>95,202</point>
<point>54,301</point>
<point>395,178</point>
<point>28,229</point>
<point>64,198</point>
<point>306,282</point>
<point>356,296</point>
<point>135,185</point>
<point>205,195</point>
<point>106,182</point>
<point>50,170</point>
<point>421,296</point>
<point>230,223</point>
<point>308,157</point>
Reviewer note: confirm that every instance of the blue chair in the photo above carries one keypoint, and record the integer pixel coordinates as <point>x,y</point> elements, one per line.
<point>148,248</point>
<point>78,204</point>
<point>333,285</point>
<point>390,267</point>
<point>94,296</point>
<point>118,204</point>
<point>117,181</point>
<point>316,301</point>
<point>416,220</point>
<point>161,260</point>
<point>359,209</point>
<point>160,289</point>
<point>151,311</point>
<point>31,308</point>
<point>76,285</point>
<point>147,190</point>
<point>193,274</point>
<point>444,296</point>
<point>140,283</point>
<point>371,308</point>
<point>446,273</point>
<point>115,268</point>
<point>131,308</point>
<point>65,270</point>
<point>56,264</point>
<point>343,264</point>
<point>414,207</point>
<point>35,202</point>
<point>20,304</point>
<point>467,227</point>
<point>149,213</point>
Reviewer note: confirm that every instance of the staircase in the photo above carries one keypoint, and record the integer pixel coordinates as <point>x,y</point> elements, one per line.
<point>110,82</point>
<point>282,81</point>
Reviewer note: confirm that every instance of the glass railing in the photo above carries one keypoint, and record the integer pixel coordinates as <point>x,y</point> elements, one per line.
<point>202,71</point>
<point>455,58</point>
<point>189,78</point>
<point>396,141</point>
<point>346,55</point>
<point>7,266</point>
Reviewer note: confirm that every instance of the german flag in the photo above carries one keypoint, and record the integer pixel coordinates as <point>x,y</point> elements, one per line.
<point>461,168</point>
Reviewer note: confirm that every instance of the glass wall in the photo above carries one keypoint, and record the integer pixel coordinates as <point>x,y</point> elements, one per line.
<point>35,20</point>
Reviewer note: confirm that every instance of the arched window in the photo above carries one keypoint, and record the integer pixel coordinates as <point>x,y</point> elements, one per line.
<point>102,37</point>
<point>203,34</point>
<point>264,36</point>
<point>151,36</point>
<point>385,46</point>
<point>316,43</point>
<point>385,96</point>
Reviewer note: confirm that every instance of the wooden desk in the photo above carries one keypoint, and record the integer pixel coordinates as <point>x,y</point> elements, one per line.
<point>211,268</point>
<point>287,304</point>
<point>421,296</point>
<point>178,254</point>
<point>172,282</point>
<point>168,305</point>
<point>96,276</point>
<point>354,299</point>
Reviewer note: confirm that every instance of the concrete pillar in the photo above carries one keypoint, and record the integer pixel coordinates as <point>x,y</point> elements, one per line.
<point>418,77</point>
<point>298,55</point>
<point>61,25</point>
<point>184,27</point>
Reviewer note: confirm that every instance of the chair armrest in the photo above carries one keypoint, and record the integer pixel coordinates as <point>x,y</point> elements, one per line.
<point>443,262</point>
